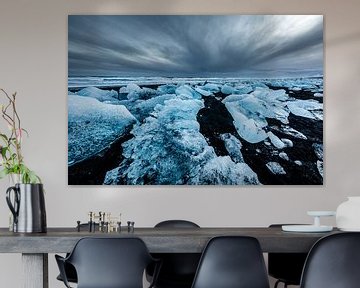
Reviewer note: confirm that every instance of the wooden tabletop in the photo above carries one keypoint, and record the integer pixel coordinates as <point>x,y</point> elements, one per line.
<point>158,240</point>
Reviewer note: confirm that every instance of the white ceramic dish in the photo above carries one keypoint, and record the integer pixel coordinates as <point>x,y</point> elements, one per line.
<point>321,213</point>
<point>306,228</point>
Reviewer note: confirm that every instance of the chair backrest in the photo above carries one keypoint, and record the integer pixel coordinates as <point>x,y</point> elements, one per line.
<point>232,262</point>
<point>110,262</point>
<point>178,269</point>
<point>333,262</point>
<point>176,224</point>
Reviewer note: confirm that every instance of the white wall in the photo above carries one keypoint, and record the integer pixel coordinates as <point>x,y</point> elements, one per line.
<point>33,62</point>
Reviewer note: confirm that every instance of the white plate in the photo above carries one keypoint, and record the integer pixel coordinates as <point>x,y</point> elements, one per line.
<point>321,213</point>
<point>306,228</point>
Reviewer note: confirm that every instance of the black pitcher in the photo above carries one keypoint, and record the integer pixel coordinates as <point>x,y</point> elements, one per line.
<point>28,208</point>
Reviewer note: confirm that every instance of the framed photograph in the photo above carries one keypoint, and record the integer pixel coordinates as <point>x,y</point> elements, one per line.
<point>195,100</point>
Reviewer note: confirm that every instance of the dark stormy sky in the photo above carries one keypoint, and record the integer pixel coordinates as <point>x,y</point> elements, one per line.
<point>217,46</point>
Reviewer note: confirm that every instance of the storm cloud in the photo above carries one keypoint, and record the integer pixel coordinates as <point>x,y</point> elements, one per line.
<point>235,45</point>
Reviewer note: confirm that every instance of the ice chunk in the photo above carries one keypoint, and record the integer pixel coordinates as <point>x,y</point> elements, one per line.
<point>234,98</point>
<point>226,89</point>
<point>212,87</point>
<point>275,168</point>
<point>203,92</point>
<point>187,92</point>
<point>318,114</point>
<point>167,89</point>
<point>132,87</point>
<point>287,142</point>
<point>269,95</point>
<point>142,109</point>
<point>233,146</point>
<point>298,162</point>
<point>292,132</point>
<point>250,111</point>
<point>93,126</point>
<point>142,94</point>
<point>167,148</point>
<point>320,167</point>
<point>223,171</point>
<point>243,89</point>
<point>318,94</point>
<point>303,107</point>
<point>275,140</point>
<point>247,128</point>
<point>99,94</point>
<point>318,149</point>
<point>295,88</point>
<point>284,156</point>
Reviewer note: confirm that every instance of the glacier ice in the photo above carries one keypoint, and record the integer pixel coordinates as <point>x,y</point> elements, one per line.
<point>203,92</point>
<point>250,111</point>
<point>142,109</point>
<point>211,87</point>
<point>227,89</point>
<point>167,89</point>
<point>243,89</point>
<point>168,148</point>
<point>292,132</point>
<point>318,149</point>
<point>248,129</point>
<point>298,162</point>
<point>275,168</point>
<point>223,171</point>
<point>93,126</point>
<point>171,135</point>
<point>99,94</point>
<point>135,92</point>
<point>275,140</point>
<point>303,108</point>
<point>287,142</point>
<point>187,92</point>
<point>284,156</point>
<point>130,88</point>
<point>233,146</point>
<point>320,167</point>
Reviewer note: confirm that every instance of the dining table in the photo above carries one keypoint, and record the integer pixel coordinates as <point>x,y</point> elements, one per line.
<point>35,247</point>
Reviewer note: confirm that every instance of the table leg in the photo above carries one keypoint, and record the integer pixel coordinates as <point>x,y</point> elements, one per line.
<point>35,270</point>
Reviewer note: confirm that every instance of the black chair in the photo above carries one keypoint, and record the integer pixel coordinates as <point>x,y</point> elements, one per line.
<point>333,262</point>
<point>286,267</point>
<point>232,262</point>
<point>108,263</point>
<point>178,269</point>
<point>69,269</point>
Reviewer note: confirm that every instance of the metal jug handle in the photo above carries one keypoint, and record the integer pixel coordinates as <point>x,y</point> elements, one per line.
<point>13,208</point>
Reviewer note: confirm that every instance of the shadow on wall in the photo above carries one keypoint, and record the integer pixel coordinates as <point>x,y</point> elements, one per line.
<point>345,39</point>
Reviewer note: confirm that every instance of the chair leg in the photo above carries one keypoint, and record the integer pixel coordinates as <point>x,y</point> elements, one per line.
<point>278,282</point>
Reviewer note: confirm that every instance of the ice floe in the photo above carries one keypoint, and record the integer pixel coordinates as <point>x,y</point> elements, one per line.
<point>275,140</point>
<point>318,149</point>
<point>275,168</point>
<point>93,126</point>
<point>99,94</point>
<point>320,167</point>
<point>233,146</point>
<point>303,108</point>
<point>168,148</point>
<point>284,156</point>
